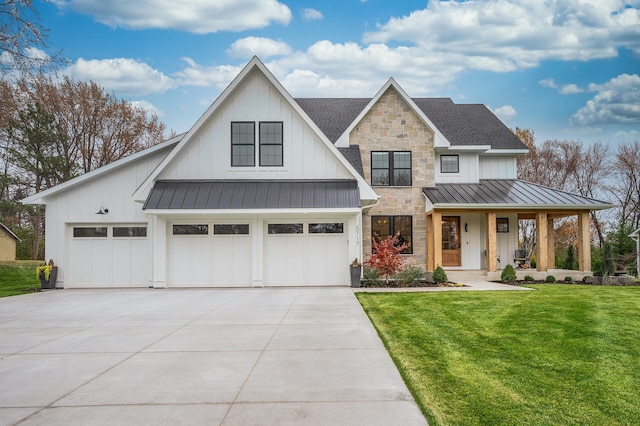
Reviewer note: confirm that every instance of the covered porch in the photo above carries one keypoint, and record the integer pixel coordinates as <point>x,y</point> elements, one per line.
<point>482,220</point>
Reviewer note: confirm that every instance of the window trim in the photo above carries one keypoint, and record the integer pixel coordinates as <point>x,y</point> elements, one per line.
<point>457,157</point>
<point>261,144</point>
<point>253,144</point>
<point>392,219</point>
<point>391,169</point>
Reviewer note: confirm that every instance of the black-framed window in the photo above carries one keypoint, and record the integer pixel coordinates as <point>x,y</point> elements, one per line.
<point>449,164</point>
<point>195,229</point>
<point>271,143</point>
<point>243,150</point>
<point>90,232</point>
<point>129,231</point>
<point>502,224</point>
<point>383,226</point>
<point>391,168</point>
<point>239,229</point>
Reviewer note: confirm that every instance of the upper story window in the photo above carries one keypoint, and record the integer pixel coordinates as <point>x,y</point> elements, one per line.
<point>271,143</point>
<point>243,143</point>
<point>391,168</point>
<point>449,164</point>
<point>243,150</point>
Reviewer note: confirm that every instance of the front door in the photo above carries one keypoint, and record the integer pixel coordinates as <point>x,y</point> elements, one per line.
<point>451,241</point>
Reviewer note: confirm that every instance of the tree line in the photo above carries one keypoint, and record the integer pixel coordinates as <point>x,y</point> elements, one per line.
<point>54,129</point>
<point>596,171</point>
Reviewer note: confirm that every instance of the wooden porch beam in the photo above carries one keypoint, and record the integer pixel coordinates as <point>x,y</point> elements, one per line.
<point>437,239</point>
<point>551,245</point>
<point>492,244</point>
<point>430,243</point>
<point>584,242</point>
<point>542,253</point>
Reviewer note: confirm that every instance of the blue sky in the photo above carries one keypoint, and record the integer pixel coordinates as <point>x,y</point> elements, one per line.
<point>568,69</point>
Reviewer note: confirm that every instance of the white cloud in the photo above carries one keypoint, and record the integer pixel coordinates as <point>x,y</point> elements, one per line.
<point>617,102</point>
<point>197,16</point>
<point>123,75</point>
<point>148,106</point>
<point>197,75</point>
<point>263,47</point>
<point>548,82</point>
<point>310,14</point>
<point>505,112</point>
<point>500,35</point>
<point>632,134</point>
<point>304,83</point>
<point>570,89</point>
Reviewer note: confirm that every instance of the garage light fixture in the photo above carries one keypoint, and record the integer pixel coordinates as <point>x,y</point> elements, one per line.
<point>102,210</point>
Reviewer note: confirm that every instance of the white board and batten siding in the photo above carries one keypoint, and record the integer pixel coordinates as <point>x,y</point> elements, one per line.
<point>468,169</point>
<point>498,167</point>
<point>208,153</point>
<point>77,207</point>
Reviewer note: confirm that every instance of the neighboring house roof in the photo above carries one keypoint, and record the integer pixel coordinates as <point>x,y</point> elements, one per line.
<point>252,194</point>
<point>460,124</point>
<point>38,198</point>
<point>506,194</point>
<point>8,231</point>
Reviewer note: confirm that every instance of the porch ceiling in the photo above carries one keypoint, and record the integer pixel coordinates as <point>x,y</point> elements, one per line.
<point>508,194</point>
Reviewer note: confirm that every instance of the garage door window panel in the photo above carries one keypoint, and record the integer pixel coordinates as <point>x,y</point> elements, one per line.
<point>285,228</point>
<point>129,231</point>
<point>90,232</point>
<point>240,229</point>
<point>326,228</point>
<point>191,229</point>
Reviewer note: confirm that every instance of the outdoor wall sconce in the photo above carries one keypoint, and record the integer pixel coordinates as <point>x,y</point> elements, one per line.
<point>102,210</point>
<point>466,227</point>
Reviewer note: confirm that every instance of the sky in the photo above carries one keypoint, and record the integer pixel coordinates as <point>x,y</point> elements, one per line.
<point>567,69</point>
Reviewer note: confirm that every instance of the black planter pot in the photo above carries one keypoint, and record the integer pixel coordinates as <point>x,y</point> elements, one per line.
<point>51,283</point>
<point>356,271</point>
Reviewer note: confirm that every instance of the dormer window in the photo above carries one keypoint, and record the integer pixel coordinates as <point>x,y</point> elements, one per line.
<point>243,144</point>
<point>449,164</point>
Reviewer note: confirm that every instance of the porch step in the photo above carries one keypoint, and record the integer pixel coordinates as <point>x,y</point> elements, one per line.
<point>461,276</point>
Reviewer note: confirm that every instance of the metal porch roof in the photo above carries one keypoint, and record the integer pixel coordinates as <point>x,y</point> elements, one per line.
<point>507,193</point>
<point>252,194</point>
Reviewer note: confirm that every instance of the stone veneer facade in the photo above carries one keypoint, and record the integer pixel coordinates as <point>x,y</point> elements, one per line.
<point>391,125</point>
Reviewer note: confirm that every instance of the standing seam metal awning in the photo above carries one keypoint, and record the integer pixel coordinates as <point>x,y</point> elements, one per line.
<point>252,194</point>
<point>507,193</point>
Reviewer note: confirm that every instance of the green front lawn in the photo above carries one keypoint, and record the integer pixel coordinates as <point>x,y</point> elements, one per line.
<point>563,354</point>
<point>18,277</point>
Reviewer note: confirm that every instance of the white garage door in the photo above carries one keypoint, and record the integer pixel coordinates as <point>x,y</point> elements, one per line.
<point>210,255</point>
<point>110,256</point>
<point>306,253</point>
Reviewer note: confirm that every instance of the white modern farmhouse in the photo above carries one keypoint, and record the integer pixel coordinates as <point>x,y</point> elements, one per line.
<point>268,190</point>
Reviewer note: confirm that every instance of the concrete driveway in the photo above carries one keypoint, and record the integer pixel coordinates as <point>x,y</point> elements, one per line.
<point>231,357</point>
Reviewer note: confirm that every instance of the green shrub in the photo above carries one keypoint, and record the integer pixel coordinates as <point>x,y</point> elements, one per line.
<point>532,261</point>
<point>439,276</point>
<point>528,278</point>
<point>550,279</point>
<point>409,276</point>
<point>508,274</point>
<point>371,277</point>
<point>568,279</point>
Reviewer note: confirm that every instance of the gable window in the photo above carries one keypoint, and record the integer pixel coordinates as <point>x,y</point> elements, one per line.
<point>391,168</point>
<point>383,226</point>
<point>271,143</point>
<point>243,151</point>
<point>449,164</point>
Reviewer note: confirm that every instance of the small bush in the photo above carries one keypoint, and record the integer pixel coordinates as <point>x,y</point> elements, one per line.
<point>550,279</point>
<point>508,274</point>
<point>568,279</point>
<point>439,276</point>
<point>409,276</point>
<point>532,261</point>
<point>528,278</point>
<point>371,276</point>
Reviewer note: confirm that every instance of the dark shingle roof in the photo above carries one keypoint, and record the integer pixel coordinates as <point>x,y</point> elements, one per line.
<point>252,194</point>
<point>461,124</point>
<point>507,193</point>
<point>352,154</point>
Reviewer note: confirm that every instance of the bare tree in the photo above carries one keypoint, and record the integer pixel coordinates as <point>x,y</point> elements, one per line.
<point>626,182</point>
